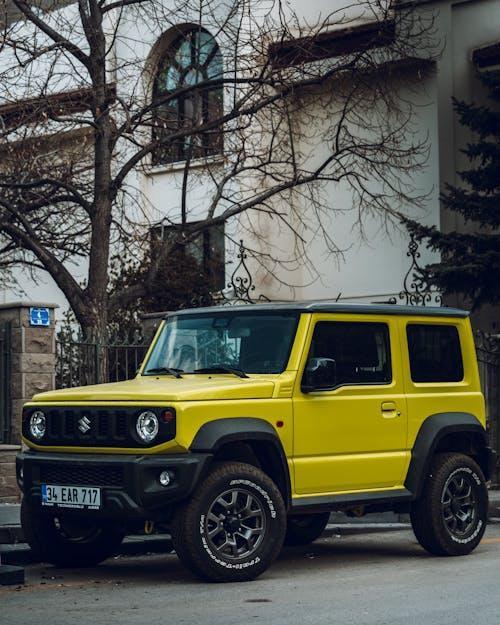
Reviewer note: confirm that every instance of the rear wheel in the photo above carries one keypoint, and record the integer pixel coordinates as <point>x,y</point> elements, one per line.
<point>450,517</point>
<point>303,529</point>
<point>67,541</point>
<point>233,527</point>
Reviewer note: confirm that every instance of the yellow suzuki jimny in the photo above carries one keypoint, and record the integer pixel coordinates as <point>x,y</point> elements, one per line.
<point>246,426</point>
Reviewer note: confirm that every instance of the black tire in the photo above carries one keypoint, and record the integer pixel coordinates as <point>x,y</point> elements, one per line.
<point>217,545</point>
<point>303,529</point>
<point>449,519</point>
<point>67,542</point>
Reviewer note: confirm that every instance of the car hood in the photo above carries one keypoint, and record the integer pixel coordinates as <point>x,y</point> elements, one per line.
<point>166,388</point>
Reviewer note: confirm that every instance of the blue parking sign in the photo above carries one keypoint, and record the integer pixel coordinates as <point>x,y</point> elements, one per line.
<point>39,317</point>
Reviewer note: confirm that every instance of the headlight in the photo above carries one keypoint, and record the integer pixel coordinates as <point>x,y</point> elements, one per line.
<point>38,425</point>
<point>147,426</point>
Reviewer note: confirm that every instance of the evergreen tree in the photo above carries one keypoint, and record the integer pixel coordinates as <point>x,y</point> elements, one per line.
<point>470,262</point>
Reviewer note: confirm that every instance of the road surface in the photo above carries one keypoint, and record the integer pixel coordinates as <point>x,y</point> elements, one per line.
<point>365,579</point>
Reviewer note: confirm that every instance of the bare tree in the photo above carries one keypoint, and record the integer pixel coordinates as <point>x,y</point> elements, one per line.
<point>85,117</point>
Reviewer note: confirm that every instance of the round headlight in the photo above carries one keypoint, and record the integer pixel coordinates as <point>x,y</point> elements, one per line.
<point>38,425</point>
<point>147,426</point>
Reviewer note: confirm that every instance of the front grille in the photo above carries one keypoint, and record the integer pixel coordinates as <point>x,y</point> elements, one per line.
<point>74,475</point>
<point>95,426</point>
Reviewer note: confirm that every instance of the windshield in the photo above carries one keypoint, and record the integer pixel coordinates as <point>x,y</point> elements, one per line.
<point>253,343</point>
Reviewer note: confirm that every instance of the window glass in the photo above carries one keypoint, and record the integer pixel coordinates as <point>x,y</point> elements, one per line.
<point>356,353</point>
<point>435,354</point>
<point>207,248</point>
<point>255,343</point>
<point>193,58</point>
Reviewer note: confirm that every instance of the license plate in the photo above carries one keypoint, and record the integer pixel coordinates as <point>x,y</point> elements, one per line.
<point>87,497</point>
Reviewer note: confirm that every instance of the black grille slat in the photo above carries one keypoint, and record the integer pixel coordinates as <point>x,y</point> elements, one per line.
<point>54,423</point>
<point>75,475</point>
<point>121,426</point>
<point>103,424</point>
<point>69,427</point>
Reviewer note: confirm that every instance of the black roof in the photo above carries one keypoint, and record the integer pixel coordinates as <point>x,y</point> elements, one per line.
<point>327,306</point>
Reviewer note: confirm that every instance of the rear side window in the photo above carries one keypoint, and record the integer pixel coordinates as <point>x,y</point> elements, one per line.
<point>359,353</point>
<point>435,354</point>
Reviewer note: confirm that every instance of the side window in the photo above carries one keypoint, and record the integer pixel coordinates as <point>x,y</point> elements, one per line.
<point>348,353</point>
<point>435,354</point>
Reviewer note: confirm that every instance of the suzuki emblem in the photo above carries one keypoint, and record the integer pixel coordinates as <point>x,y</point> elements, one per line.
<point>84,425</point>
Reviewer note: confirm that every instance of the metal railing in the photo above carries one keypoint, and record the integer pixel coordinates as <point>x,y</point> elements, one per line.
<point>80,362</point>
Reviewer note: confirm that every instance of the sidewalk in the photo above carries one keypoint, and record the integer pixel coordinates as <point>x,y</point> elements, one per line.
<point>14,551</point>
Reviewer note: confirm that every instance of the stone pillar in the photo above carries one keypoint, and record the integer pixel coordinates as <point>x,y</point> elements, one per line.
<point>32,371</point>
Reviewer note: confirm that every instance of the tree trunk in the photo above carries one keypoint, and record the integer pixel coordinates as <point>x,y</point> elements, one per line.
<point>94,351</point>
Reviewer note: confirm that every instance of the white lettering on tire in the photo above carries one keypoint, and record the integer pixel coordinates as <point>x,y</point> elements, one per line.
<point>268,499</point>
<point>239,565</point>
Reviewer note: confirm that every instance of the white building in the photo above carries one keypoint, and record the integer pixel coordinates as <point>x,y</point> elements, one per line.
<point>372,265</point>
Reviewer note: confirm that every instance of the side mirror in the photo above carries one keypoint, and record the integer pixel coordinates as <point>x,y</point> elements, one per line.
<point>320,374</point>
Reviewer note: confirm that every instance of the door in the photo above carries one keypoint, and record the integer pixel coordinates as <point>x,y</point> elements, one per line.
<point>350,428</point>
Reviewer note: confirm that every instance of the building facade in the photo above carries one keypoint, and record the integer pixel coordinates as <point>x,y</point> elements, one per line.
<point>334,248</point>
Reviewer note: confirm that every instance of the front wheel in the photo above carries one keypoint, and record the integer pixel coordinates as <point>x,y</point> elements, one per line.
<point>449,519</point>
<point>67,541</point>
<point>233,527</point>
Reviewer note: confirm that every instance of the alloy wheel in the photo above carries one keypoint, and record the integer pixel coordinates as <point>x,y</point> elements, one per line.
<point>235,524</point>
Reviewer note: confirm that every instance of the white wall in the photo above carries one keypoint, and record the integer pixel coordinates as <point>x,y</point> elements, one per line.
<point>372,259</point>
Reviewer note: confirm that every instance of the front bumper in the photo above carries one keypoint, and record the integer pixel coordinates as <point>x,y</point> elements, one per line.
<point>129,484</point>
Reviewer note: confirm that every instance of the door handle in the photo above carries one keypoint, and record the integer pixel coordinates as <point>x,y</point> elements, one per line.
<point>390,410</point>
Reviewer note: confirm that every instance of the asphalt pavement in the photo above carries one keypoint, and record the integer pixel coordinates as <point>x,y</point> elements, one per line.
<point>359,579</point>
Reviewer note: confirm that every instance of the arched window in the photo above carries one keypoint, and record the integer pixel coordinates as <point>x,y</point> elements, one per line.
<point>192,58</point>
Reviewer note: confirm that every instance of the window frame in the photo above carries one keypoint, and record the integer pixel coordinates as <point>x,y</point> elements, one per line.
<point>336,387</point>
<point>211,142</point>
<point>219,282</point>
<point>435,323</point>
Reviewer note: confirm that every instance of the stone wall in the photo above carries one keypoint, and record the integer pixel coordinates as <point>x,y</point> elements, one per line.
<point>32,371</point>
<point>9,492</point>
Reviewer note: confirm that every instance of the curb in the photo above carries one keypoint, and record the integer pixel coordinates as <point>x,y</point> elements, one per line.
<point>20,554</point>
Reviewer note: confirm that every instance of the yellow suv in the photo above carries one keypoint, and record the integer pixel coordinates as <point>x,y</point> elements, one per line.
<point>246,426</point>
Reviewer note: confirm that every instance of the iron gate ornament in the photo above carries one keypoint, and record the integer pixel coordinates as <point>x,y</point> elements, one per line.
<point>416,291</point>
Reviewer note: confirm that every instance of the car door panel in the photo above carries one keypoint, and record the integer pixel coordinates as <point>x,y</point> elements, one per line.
<point>352,437</point>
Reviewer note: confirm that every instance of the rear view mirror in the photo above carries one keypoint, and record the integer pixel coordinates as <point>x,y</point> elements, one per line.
<point>238,333</point>
<point>319,374</point>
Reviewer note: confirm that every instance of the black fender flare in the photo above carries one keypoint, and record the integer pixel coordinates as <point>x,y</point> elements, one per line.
<point>214,434</point>
<point>431,432</point>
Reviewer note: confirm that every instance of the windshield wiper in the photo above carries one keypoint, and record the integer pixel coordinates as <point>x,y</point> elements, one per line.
<point>175,372</point>
<point>222,369</point>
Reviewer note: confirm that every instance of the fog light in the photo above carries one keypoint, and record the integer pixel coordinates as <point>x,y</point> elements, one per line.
<point>165,478</point>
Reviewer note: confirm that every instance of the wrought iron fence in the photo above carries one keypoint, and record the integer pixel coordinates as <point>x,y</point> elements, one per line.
<point>5,382</point>
<point>488,357</point>
<point>80,362</point>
